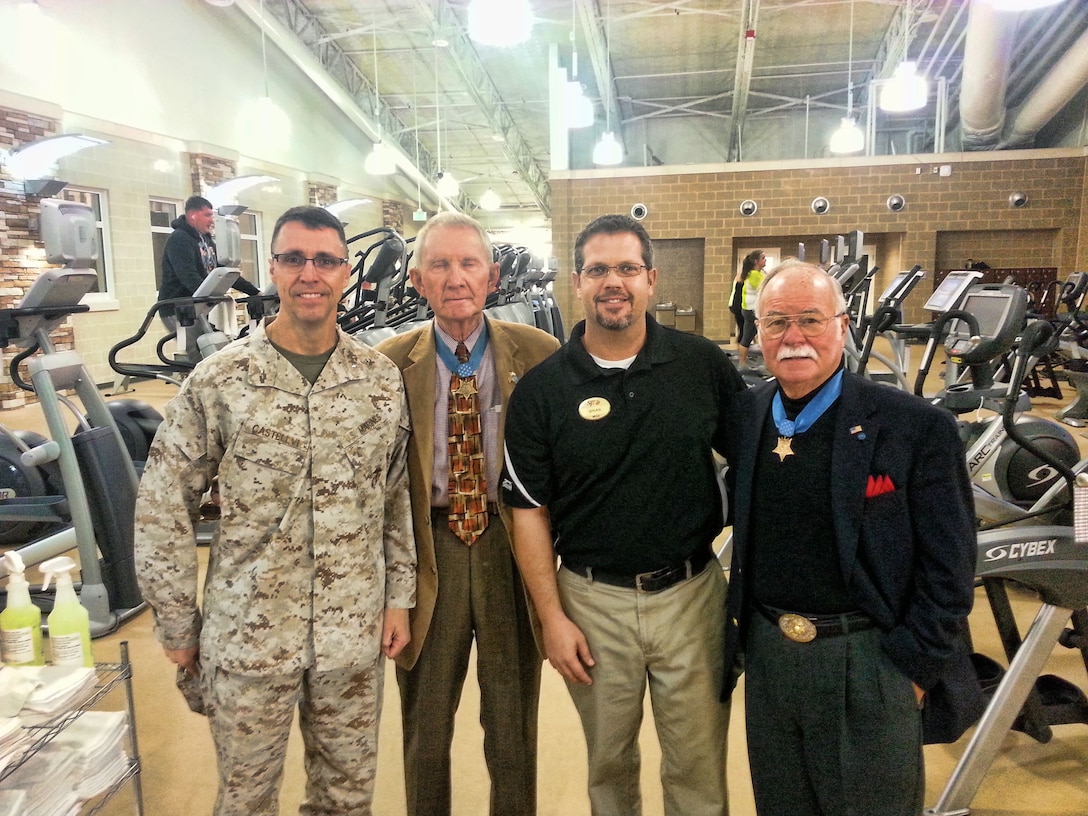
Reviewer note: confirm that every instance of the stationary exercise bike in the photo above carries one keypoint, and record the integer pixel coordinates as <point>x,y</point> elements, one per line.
<point>98,477</point>
<point>1013,484</point>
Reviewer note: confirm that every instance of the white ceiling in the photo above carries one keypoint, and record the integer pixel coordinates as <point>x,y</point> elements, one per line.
<point>681,81</point>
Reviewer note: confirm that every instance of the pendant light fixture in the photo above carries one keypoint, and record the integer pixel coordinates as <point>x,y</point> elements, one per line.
<point>446,185</point>
<point>906,90</point>
<point>608,151</point>
<point>490,200</point>
<point>380,161</point>
<point>848,138</point>
<point>502,23</point>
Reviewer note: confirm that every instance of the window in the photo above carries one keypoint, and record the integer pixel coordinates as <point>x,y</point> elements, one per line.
<point>104,265</point>
<point>162,214</point>
<point>250,222</point>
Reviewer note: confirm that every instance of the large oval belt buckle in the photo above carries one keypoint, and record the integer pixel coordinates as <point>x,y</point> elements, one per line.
<point>797,628</point>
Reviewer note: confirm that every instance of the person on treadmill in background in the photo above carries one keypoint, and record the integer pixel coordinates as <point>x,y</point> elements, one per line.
<point>751,275</point>
<point>187,258</point>
<point>853,570</point>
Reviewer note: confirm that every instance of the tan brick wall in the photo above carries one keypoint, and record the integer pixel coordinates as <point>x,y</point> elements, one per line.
<point>394,214</point>
<point>320,194</point>
<point>964,212</point>
<point>208,171</point>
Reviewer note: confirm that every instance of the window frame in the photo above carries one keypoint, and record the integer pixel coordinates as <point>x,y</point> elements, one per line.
<point>177,204</point>
<point>106,299</point>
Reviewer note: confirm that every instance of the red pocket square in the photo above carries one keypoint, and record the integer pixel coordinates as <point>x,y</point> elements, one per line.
<point>878,486</point>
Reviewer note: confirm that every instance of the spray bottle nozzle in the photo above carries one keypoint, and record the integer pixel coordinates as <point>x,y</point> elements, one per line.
<point>59,567</point>
<point>14,563</point>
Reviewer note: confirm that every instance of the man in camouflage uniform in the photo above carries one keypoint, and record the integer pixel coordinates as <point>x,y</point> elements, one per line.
<point>312,570</point>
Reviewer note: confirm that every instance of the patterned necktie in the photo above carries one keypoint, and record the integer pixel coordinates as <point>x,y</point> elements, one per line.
<point>468,484</point>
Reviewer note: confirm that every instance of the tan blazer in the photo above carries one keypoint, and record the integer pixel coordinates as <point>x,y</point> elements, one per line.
<point>516,349</point>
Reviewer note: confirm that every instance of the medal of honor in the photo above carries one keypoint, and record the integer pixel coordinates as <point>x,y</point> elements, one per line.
<point>466,388</point>
<point>784,448</point>
<point>809,414</point>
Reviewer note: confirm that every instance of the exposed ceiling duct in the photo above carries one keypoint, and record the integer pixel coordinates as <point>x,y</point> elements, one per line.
<point>986,59</point>
<point>1060,85</point>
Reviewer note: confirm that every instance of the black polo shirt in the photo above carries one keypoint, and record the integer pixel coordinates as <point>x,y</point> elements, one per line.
<point>623,459</point>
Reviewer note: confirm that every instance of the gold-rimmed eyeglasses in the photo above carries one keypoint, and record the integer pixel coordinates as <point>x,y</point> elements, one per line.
<point>811,325</point>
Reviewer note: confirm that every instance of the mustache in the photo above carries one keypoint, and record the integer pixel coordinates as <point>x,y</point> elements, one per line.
<point>797,352</point>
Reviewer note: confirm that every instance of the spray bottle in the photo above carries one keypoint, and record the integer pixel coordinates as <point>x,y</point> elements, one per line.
<point>69,622</point>
<point>21,621</point>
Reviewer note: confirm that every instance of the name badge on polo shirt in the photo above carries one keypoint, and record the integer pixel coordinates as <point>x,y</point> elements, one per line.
<point>594,408</point>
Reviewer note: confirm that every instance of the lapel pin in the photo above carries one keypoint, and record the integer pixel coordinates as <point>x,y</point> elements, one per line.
<point>858,432</point>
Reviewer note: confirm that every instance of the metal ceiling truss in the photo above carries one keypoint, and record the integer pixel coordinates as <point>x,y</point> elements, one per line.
<point>592,24</point>
<point>377,117</point>
<point>490,102</point>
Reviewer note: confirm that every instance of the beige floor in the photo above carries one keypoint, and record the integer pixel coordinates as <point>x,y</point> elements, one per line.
<point>179,773</point>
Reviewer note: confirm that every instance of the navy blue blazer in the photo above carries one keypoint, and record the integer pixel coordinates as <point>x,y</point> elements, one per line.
<point>907,556</point>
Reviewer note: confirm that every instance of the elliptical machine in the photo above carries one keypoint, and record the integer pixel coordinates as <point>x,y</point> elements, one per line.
<point>98,476</point>
<point>1013,484</point>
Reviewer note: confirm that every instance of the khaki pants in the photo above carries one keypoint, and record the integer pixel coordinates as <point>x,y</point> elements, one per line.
<point>671,641</point>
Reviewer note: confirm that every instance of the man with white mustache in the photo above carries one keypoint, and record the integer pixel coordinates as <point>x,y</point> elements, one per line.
<point>609,465</point>
<point>852,573</point>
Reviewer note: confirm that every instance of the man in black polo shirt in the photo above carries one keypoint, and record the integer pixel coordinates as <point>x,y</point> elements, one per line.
<point>852,575</point>
<point>609,464</point>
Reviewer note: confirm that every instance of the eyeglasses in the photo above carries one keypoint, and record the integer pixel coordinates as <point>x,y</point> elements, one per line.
<point>295,262</point>
<point>811,325</point>
<point>624,270</point>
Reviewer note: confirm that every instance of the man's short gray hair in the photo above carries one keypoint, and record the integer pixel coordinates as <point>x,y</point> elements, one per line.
<point>451,219</point>
<point>794,263</point>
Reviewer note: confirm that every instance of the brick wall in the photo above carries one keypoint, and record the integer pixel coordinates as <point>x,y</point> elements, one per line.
<point>966,212</point>
<point>393,215</point>
<point>321,194</point>
<point>208,171</point>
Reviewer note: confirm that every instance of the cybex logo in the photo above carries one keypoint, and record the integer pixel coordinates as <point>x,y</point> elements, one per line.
<point>1044,474</point>
<point>1021,549</point>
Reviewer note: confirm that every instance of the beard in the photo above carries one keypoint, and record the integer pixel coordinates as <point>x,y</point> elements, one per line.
<point>607,321</point>
<point>613,323</point>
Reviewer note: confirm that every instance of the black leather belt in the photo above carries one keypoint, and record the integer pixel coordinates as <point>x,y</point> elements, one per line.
<point>654,581</point>
<point>801,628</point>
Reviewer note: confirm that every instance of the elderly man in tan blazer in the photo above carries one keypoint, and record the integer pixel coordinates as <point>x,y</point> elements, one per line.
<point>458,372</point>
